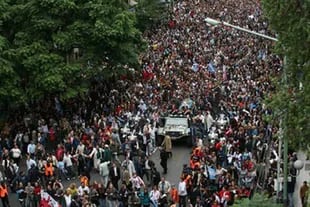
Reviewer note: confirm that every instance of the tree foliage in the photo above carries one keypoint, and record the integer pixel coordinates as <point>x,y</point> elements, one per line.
<point>291,21</point>
<point>258,200</point>
<point>55,47</point>
<point>149,12</point>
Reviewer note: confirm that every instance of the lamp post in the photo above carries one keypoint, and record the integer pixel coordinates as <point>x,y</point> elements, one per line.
<point>216,22</point>
<point>285,140</point>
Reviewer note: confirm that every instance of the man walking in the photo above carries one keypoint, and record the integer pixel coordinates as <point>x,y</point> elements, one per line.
<point>163,160</point>
<point>104,172</point>
<point>115,175</point>
<point>167,145</point>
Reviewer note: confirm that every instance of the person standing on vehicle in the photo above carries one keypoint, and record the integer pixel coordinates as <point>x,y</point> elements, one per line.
<point>167,145</point>
<point>163,160</point>
<point>4,195</point>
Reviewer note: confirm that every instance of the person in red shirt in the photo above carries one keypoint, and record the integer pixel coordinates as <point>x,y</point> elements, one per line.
<point>37,193</point>
<point>225,195</point>
<point>60,152</point>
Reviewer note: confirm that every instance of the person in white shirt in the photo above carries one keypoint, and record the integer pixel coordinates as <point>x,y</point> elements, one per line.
<point>104,172</point>
<point>16,154</point>
<point>164,186</point>
<point>154,196</point>
<point>31,148</point>
<point>199,142</point>
<point>128,164</point>
<point>30,162</point>
<point>209,121</point>
<point>182,192</point>
<point>80,148</point>
<point>148,164</point>
<point>67,199</point>
<point>68,164</point>
<point>82,189</point>
<point>93,155</point>
<point>153,138</point>
<point>137,182</point>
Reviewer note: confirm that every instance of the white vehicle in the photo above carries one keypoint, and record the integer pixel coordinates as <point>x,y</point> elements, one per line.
<point>175,126</point>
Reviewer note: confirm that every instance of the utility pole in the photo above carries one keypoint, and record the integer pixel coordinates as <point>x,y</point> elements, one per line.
<point>279,160</point>
<point>285,142</point>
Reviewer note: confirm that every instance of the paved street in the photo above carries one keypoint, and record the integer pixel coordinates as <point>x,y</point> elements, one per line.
<point>175,164</point>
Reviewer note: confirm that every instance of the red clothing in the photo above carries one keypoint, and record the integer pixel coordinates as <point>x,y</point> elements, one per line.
<point>218,146</point>
<point>225,194</point>
<point>84,138</point>
<point>45,203</point>
<point>37,190</point>
<point>60,153</point>
<point>174,195</point>
<point>171,24</point>
<point>52,134</point>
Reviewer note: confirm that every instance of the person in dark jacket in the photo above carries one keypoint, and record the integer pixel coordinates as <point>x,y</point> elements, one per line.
<point>163,160</point>
<point>115,175</point>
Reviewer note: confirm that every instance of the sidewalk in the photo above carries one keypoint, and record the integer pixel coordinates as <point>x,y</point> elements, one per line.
<point>304,175</point>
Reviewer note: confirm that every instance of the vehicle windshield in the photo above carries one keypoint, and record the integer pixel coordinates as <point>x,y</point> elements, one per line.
<point>176,121</point>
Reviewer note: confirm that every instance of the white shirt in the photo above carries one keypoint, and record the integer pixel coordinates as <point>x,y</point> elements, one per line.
<point>81,190</point>
<point>182,188</point>
<point>199,143</point>
<point>137,182</point>
<point>16,152</point>
<point>166,184</point>
<point>30,162</point>
<point>80,149</point>
<point>129,166</point>
<point>31,148</point>
<point>45,128</point>
<point>67,160</point>
<point>147,166</point>
<point>154,195</point>
<point>104,168</point>
<point>68,200</point>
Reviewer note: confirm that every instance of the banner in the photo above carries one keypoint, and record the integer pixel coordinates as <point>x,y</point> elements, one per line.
<point>47,200</point>
<point>211,68</point>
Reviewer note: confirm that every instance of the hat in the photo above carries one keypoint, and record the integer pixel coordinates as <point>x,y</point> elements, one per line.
<point>106,145</point>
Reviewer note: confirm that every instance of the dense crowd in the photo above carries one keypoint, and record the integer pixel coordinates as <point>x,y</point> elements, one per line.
<point>224,73</point>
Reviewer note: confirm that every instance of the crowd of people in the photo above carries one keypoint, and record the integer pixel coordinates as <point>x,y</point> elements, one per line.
<point>113,131</point>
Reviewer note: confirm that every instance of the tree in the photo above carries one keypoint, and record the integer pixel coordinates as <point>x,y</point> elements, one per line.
<point>56,47</point>
<point>290,20</point>
<point>258,200</point>
<point>149,12</point>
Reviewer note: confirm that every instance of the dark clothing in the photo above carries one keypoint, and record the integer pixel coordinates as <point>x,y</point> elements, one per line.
<point>115,176</point>
<point>5,201</point>
<point>163,160</point>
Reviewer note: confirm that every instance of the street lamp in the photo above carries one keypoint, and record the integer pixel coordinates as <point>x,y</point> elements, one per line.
<point>216,22</point>
<point>298,165</point>
<point>285,140</point>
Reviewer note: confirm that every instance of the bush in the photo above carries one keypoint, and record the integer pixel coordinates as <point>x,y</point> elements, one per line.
<point>258,200</point>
